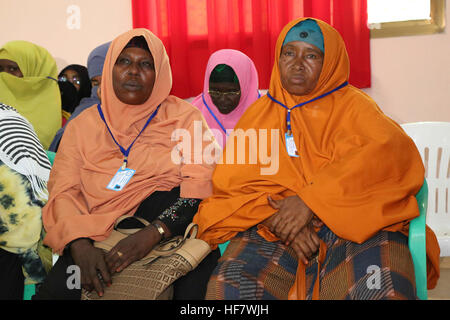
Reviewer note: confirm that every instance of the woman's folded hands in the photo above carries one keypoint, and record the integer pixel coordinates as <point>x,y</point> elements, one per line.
<point>294,224</point>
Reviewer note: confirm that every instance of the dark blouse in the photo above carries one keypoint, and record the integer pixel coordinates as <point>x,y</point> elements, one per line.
<point>168,207</point>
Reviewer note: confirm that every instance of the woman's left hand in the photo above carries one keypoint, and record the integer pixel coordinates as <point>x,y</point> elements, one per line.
<point>131,249</point>
<point>306,243</point>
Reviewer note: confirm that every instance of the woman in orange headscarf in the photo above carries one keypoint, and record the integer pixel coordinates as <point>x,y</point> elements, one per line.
<point>129,134</point>
<point>336,209</point>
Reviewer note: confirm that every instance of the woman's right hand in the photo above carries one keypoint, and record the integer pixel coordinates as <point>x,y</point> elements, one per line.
<point>306,243</point>
<point>132,248</point>
<point>92,263</point>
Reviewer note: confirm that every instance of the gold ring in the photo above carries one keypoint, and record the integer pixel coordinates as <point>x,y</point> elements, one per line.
<point>119,254</point>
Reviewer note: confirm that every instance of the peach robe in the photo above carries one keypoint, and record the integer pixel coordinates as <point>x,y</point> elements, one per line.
<point>80,205</point>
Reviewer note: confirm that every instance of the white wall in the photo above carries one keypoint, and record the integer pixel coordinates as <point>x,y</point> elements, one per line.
<point>54,24</point>
<point>410,75</point>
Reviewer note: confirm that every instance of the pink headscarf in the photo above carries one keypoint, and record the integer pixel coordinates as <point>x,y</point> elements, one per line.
<point>246,72</point>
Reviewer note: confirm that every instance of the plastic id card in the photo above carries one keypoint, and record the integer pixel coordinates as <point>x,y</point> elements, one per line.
<point>291,148</point>
<point>120,179</point>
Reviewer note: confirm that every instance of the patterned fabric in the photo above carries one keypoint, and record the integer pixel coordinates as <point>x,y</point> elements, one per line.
<point>179,214</point>
<point>144,282</point>
<point>168,207</point>
<point>21,225</point>
<point>176,217</point>
<point>21,150</point>
<point>24,171</point>
<point>380,268</point>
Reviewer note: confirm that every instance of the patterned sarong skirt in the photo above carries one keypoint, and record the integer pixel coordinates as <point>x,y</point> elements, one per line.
<point>253,268</point>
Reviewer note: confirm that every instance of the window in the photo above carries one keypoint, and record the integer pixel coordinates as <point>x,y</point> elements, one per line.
<point>196,17</point>
<point>388,18</point>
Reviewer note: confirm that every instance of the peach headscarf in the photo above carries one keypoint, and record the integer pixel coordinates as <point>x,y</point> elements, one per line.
<point>358,171</point>
<point>80,205</point>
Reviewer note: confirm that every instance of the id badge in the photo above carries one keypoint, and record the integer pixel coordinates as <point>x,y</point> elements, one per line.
<point>120,179</point>
<point>291,148</point>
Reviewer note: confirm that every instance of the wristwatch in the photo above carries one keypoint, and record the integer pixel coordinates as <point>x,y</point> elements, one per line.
<point>160,229</point>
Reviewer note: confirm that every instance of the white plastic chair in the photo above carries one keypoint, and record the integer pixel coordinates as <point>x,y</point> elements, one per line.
<point>433,142</point>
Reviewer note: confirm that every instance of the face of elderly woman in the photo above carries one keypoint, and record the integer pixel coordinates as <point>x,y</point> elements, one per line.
<point>225,95</point>
<point>134,76</point>
<point>10,67</point>
<point>300,67</point>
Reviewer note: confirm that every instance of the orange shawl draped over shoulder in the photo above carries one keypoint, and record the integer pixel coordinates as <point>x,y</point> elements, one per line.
<point>80,205</point>
<point>358,171</point>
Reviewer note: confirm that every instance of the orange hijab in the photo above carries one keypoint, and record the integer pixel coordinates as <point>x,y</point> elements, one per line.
<point>358,171</point>
<point>80,205</point>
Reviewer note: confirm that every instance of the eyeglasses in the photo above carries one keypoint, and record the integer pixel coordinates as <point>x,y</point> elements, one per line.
<point>218,94</point>
<point>74,80</point>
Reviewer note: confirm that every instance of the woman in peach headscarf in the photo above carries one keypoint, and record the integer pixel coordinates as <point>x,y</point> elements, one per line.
<point>131,132</point>
<point>332,221</point>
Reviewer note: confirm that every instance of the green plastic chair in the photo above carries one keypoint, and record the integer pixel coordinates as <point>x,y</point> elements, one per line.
<point>51,156</point>
<point>223,247</point>
<point>30,289</point>
<point>416,243</point>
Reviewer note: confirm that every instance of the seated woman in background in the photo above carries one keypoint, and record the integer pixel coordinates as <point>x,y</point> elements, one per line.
<point>28,82</point>
<point>78,76</point>
<point>139,114</point>
<point>69,99</point>
<point>24,171</point>
<point>339,206</point>
<point>95,62</point>
<point>230,87</point>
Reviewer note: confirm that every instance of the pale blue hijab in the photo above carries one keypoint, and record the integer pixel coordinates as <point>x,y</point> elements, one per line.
<point>306,31</point>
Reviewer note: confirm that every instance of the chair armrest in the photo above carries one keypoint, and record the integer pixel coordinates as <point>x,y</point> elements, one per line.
<point>417,243</point>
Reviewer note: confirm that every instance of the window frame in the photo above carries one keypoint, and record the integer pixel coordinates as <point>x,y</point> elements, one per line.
<point>435,24</point>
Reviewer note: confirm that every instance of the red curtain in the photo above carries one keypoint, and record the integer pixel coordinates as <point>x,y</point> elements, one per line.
<point>193,29</point>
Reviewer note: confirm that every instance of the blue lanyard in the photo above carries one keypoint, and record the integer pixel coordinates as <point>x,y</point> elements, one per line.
<point>288,116</point>
<point>214,116</point>
<point>127,151</point>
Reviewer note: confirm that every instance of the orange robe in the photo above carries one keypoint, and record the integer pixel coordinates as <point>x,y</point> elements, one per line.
<point>358,171</point>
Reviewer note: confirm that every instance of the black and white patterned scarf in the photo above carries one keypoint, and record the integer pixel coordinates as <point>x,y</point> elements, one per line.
<point>21,150</point>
